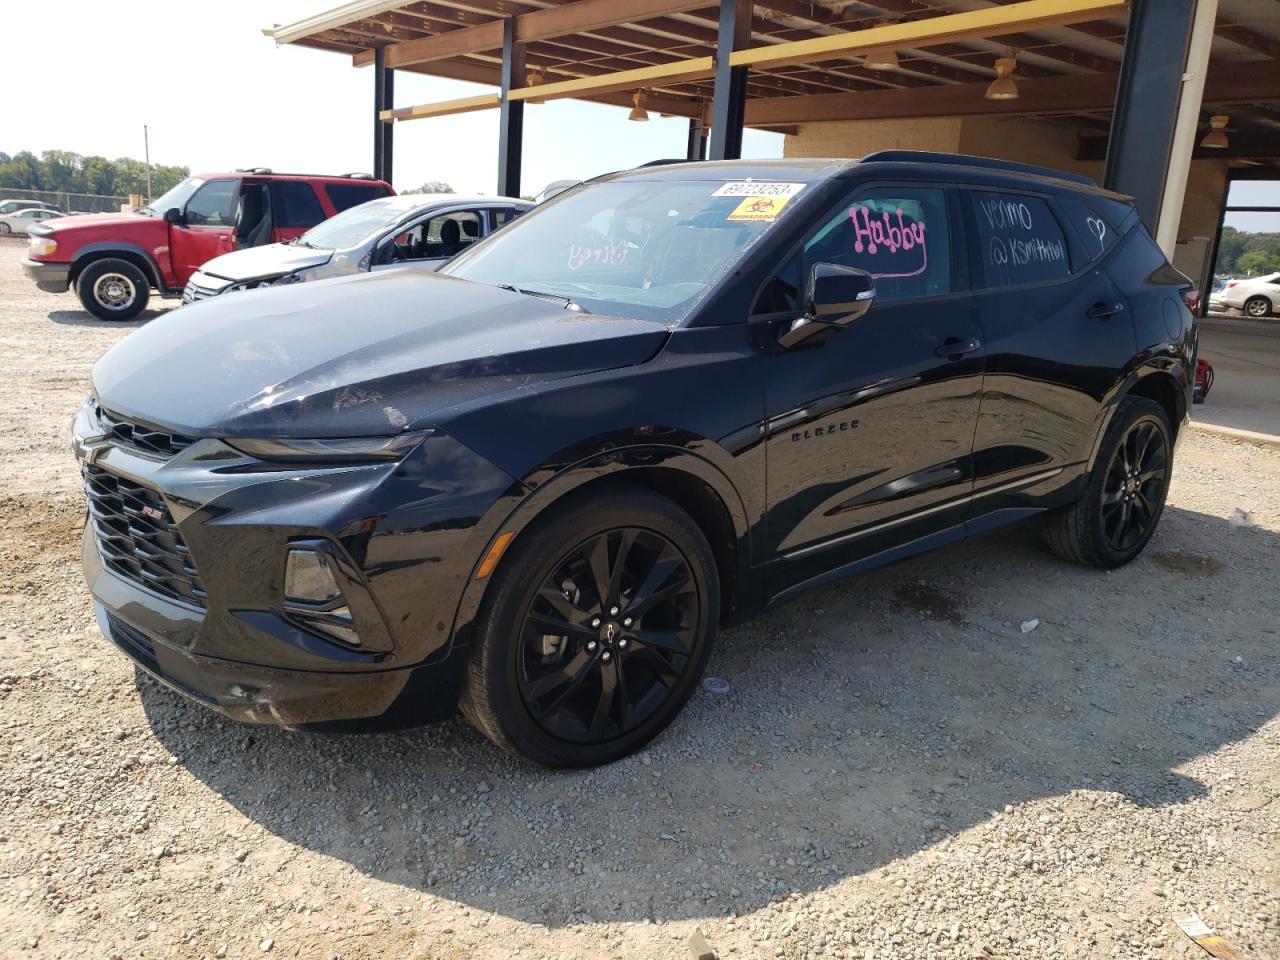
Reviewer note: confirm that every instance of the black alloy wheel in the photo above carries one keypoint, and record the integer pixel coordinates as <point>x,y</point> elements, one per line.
<point>608,635</point>
<point>1133,492</point>
<point>595,628</point>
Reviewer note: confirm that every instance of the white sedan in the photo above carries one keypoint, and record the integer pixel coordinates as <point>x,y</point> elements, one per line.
<point>18,221</point>
<point>1259,297</point>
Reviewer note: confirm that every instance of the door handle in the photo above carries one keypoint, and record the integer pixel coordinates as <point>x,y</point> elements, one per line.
<point>1105,311</point>
<point>954,348</point>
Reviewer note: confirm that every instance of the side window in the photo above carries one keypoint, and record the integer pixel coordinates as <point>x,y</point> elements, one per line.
<point>1096,232</point>
<point>1019,240</point>
<point>501,215</point>
<point>214,204</point>
<point>344,195</point>
<point>899,235</point>
<point>437,237</point>
<point>298,206</point>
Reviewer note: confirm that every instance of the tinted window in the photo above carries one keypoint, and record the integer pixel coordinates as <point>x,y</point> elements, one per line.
<point>1019,240</point>
<point>898,235</point>
<point>346,195</point>
<point>298,204</point>
<point>214,204</point>
<point>1096,231</point>
<point>498,217</point>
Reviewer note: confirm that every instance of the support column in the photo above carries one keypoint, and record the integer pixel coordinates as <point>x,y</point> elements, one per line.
<point>1141,141</point>
<point>511,121</point>
<point>383,99</point>
<point>697,149</point>
<point>730,96</point>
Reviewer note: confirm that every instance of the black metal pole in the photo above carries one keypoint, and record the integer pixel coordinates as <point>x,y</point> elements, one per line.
<point>388,128</point>
<point>1146,110</point>
<point>697,148</point>
<point>511,119</point>
<point>379,90</point>
<point>730,95</point>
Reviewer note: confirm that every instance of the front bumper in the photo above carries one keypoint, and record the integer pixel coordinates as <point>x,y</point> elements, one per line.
<point>202,286</point>
<point>49,277</point>
<point>232,645</point>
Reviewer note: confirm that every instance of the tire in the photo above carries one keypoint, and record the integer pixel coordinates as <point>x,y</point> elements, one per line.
<point>1257,307</point>
<point>113,289</point>
<point>1119,510</point>
<point>5,229</point>
<point>553,698</point>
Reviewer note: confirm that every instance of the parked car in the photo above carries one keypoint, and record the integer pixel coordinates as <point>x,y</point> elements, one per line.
<point>115,260</point>
<point>1259,297</point>
<point>535,482</point>
<point>411,230</point>
<point>12,206</point>
<point>21,221</point>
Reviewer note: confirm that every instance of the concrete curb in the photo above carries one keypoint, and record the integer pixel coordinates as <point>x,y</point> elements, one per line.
<point>1250,436</point>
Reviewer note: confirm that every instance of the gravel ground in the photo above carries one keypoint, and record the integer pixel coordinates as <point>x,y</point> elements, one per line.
<point>897,771</point>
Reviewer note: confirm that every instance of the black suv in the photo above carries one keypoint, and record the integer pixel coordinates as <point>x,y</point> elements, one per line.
<point>534,484</point>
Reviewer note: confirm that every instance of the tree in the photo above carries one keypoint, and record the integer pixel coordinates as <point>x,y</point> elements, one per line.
<point>1255,263</point>
<point>66,172</point>
<point>432,186</point>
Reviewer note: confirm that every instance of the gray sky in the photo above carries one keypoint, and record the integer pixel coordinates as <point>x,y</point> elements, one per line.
<point>217,95</point>
<point>1254,193</point>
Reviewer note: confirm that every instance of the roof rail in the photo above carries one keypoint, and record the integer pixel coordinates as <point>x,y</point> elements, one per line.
<point>268,170</point>
<point>961,160</point>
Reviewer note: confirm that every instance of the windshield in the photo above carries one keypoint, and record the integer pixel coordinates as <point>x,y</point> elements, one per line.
<point>647,250</point>
<point>349,227</point>
<point>175,199</point>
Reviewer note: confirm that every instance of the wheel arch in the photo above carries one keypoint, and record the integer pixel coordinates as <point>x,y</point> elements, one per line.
<point>694,484</point>
<point>1166,383</point>
<point>128,252</point>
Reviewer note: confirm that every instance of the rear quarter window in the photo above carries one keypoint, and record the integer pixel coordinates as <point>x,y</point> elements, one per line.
<point>1019,240</point>
<point>299,206</point>
<point>1096,230</point>
<point>345,195</point>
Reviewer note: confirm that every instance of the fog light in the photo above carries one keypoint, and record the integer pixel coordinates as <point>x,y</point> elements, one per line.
<point>312,595</point>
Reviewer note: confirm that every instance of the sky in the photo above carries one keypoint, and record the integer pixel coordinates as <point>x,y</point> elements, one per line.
<point>1254,193</point>
<point>216,94</point>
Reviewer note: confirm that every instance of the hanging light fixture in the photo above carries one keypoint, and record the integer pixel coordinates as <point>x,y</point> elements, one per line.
<point>638,111</point>
<point>881,58</point>
<point>1216,138</point>
<point>535,78</point>
<point>1003,87</point>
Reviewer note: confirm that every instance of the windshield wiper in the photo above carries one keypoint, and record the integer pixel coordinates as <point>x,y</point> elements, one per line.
<point>569,304</point>
<point>298,241</point>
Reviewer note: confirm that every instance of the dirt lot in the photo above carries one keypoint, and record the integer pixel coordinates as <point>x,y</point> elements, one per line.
<point>898,770</point>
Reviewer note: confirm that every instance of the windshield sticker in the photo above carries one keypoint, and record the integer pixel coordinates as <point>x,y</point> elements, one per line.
<point>758,208</point>
<point>746,188</point>
<point>894,244</point>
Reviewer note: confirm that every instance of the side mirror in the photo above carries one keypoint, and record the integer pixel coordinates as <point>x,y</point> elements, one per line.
<point>173,215</point>
<point>836,297</point>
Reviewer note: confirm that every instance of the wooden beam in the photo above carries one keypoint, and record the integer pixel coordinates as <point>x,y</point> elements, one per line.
<point>1026,15</point>
<point>657,75</point>
<point>582,16</point>
<point>444,108</point>
<point>1226,84</point>
<point>1248,38</point>
<point>329,19</point>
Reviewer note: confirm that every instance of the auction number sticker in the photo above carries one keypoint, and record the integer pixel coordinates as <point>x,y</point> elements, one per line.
<point>758,208</point>
<point>749,188</point>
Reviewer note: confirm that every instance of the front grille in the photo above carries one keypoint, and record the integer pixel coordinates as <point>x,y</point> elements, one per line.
<point>144,439</point>
<point>193,291</point>
<point>138,538</point>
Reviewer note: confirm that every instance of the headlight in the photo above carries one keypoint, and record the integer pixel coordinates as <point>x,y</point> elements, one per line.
<point>41,246</point>
<point>331,450</point>
<point>282,281</point>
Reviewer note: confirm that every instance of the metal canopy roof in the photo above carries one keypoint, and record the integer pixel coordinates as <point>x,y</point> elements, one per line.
<point>1067,67</point>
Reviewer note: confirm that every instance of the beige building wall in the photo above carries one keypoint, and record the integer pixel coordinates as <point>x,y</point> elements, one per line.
<point>1007,138</point>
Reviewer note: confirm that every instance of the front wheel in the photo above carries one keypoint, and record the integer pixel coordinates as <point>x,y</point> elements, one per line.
<point>113,289</point>
<point>595,630</point>
<point>1257,307</point>
<point>1125,494</point>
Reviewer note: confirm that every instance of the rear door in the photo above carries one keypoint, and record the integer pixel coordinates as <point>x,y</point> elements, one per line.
<point>1057,338</point>
<point>296,209</point>
<point>207,230</point>
<point>869,432</point>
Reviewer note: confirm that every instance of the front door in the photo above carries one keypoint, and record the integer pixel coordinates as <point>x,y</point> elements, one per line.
<point>207,230</point>
<point>869,431</point>
<point>430,243</point>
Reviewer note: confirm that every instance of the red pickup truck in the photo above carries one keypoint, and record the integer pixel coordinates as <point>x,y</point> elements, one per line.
<point>115,260</point>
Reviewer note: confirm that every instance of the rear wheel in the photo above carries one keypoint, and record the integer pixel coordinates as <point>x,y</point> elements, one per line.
<point>1125,494</point>
<point>1257,307</point>
<point>113,289</point>
<point>595,630</point>
<point>5,229</point>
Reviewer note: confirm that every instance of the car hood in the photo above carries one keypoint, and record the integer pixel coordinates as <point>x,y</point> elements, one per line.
<point>132,220</point>
<point>365,355</point>
<point>272,260</point>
